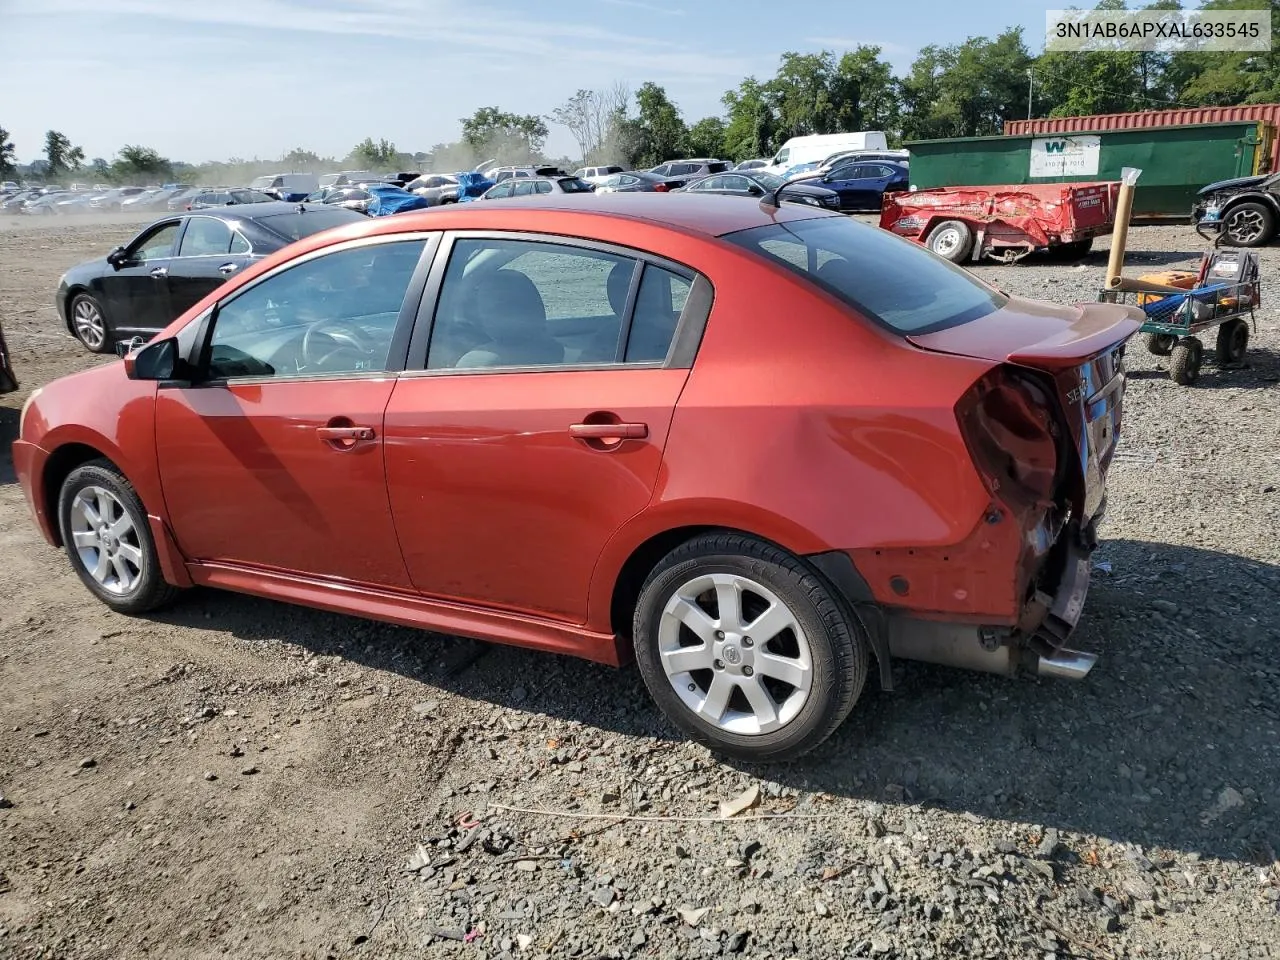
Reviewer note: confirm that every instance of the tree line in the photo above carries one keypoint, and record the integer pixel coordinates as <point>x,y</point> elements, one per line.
<point>960,90</point>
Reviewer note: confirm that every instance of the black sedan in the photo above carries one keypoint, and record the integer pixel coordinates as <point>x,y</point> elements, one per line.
<point>636,181</point>
<point>139,288</point>
<point>753,183</point>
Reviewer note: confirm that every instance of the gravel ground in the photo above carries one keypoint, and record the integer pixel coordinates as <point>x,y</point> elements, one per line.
<point>239,777</point>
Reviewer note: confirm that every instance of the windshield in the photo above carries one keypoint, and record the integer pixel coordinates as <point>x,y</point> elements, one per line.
<point>574,185</point>
<point>295,226</point>
<point>261,183</point>
<point>888,279</point>
<point>768,180</point>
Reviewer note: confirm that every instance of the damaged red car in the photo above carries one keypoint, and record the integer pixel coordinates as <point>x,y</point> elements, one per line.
<point>761,449</point>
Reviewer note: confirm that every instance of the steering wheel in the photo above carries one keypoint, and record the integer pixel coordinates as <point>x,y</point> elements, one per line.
<point>344,333</point>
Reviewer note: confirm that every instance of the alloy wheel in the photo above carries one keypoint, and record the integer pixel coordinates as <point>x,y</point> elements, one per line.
<point>106,540</point>
<point>735,654</point>
<point>1245,226</point>
<point>89,325</point>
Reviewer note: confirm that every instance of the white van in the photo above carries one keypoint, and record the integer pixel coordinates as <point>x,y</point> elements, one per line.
<point>819,146</point>
<point>287,186</point>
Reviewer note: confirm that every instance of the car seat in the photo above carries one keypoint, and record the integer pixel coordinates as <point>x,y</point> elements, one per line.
<point>509,310</point>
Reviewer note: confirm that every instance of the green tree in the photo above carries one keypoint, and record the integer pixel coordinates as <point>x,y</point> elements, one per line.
<point>1226,79</point>
<point>8,166</point>
<point>751,122</point>
<point>865,92</point>
<point>705,138</point>
<point>508,137</point>
<point>62,156</point>
<point>373,156</point>
<point>802,94</point>
<point>659,131</point>
<point>298,157</point>
<point>136,163</point>
<point>968,89</point>
<point>100,168</point>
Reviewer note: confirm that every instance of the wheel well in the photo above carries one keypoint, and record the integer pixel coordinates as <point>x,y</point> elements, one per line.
<point>60,463</point>
<point>72,293</point>
<point>626,589</point>
<point>1265,199</point>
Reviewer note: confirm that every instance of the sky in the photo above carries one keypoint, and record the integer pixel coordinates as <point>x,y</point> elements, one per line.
<point>211,79</point>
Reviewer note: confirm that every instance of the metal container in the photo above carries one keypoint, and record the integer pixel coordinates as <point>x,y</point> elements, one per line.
<point>1175,161</point>
<point>1267,113</point>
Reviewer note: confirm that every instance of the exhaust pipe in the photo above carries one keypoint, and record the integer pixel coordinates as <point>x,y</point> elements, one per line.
<point>1066,664</point>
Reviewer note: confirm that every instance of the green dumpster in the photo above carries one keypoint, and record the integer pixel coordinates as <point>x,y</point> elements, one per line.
<point>1175,161</point>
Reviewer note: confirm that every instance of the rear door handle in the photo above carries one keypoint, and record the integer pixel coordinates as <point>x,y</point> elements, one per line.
<point>160,272</point>
<point>228,268</point>
<point>345,433</point>
<point>609,431</point>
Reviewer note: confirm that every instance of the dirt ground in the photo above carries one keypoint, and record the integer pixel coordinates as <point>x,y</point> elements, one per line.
<point>242,778</point>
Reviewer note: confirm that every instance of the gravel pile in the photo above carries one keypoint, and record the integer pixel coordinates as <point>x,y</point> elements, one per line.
<point>242,778</point>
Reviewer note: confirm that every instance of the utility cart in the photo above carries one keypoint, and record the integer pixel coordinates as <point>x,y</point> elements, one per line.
<point>1178,305</point>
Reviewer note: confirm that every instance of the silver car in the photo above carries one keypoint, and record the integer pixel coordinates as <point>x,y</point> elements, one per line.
<point>436,188</point>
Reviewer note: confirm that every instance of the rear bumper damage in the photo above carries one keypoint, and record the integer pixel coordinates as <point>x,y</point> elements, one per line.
<point>1037,644</point>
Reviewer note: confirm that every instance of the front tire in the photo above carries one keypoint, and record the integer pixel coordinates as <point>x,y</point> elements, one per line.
<point>107,537</point>
<point>89,324</point>
<point>952,240</point>
<point>1184,364</point>
<point>746,649</point>
<point>1249,225</point>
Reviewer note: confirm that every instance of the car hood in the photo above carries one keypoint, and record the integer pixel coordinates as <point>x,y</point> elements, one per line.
<point>1239,183</point>
<point>85,272</point>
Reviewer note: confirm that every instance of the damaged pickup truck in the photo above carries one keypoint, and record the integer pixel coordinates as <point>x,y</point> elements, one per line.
<point>1246,210</point>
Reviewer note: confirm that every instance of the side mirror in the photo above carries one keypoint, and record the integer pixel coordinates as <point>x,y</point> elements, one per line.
<point>155,361</point>
<point>117,257</point>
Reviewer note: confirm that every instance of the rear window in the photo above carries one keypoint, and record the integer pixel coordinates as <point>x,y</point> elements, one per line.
<point>295,226</point>
<point>718,167</point>
<point>888,279</point>
<point>574,185</point>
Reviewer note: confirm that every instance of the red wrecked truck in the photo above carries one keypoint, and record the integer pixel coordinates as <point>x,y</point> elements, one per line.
<point>1006,222</point>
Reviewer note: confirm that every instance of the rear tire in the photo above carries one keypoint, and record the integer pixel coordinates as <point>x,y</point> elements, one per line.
<point>108,539</point>
<point>1233,341</point>
<point>774,696</point>
<point>952,240</point>
<point>1159,344</point>
<point>1249,225</point>
<point>1184,366</point>
<point>1075,249</point>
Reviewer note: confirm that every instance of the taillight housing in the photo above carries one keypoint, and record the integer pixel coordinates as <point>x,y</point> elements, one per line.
<point>661,188</point>
<point>1009,424</point>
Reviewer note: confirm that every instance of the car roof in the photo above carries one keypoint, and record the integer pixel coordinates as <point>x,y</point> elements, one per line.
<point>252,211</point>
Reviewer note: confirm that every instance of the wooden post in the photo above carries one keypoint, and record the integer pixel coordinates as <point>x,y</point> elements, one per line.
<point>1120,229</point>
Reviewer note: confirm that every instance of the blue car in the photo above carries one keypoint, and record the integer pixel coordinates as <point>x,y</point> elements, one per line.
<point>862,184</point>
<point>388,200</point>
<point>472,186</point>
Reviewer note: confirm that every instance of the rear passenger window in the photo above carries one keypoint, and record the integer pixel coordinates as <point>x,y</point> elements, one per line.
<point>659,303</point>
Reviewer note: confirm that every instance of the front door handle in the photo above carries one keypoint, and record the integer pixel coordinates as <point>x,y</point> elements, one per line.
<point>609,431</point>
<point>331,434</point>
<point>228,268</point>
<point>160,272</point>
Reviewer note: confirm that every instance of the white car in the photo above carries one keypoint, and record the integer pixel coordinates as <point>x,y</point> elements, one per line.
<point>598,174</point>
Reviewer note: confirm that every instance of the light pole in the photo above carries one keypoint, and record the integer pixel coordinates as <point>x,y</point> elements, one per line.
<point>1031,82</point>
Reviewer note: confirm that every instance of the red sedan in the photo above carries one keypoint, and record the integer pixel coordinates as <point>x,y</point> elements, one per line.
<point>757,447</point>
